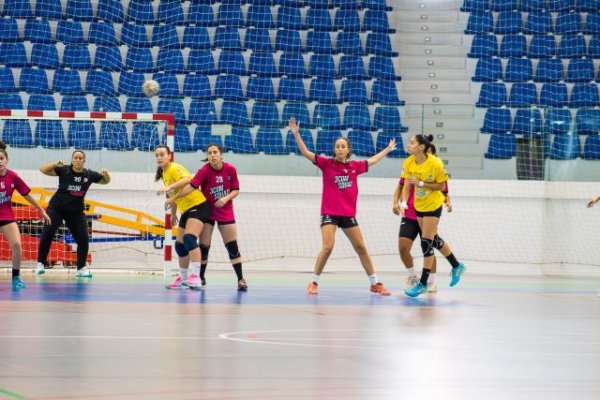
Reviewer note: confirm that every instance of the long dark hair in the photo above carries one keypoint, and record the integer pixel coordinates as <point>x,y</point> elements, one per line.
<point>424,140</point>
<point>348,142</point>
<point>218,146</point>
<point>3,149</point>
<point>432,149</point>
<point>159,170</point>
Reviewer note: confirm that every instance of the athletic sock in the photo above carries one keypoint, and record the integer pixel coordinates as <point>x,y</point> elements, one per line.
<point>373,279</point>
<point>452,260</point>
<point>425,276</point>
<point>238,270</point>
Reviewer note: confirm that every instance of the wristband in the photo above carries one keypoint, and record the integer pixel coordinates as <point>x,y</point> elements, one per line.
<point>404,205</point>
<point>421,183</point>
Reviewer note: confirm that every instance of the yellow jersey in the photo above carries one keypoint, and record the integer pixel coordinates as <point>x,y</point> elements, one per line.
<point>174,173</point>
<point>431,171</point>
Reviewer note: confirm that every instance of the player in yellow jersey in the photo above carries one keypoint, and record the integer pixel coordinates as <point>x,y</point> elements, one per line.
<point>427,175</point>
<point>194,211</point>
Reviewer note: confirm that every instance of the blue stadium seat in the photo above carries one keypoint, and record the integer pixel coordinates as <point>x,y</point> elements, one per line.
<point>538,22</point>
<point>353,67</point>
<point>383,140</point>
<point>197,86</point>
<point>567,23</point>
<point>145,137</point>
<point>587,121</point>
<point>290,18</point>
<point>542,46</point>
<point>48,9</point>
<point>9,30</point>
<point>553,95</point>
<point>82,135</point>
<point>319,42</point>
<point>347,4</point>
<point>79,10</point>
<point>557,121</point>
<point>388,119</point>
<point>518,70</point>
<point>203,138</point>
<point>265,114</point>
<point>346,20</point>
<point>240,141</point>
<point>110,10</point>
<point>171,13</point>
<point>134,35</point>
<point>488,70</point>
<point>385,92</point>
<point>508,22</point>
<point>475,5</point>
<point>382,68</point>
<point>182,140</point>
<point>485,46</point>
<point>11,102</point>
<point>135,105</point>
<point>292,65</point>
<point>292,89</point>
<point>172,106</point>
<point>527,122</point>
<point>269,141</point>
<point>380,44</point>
<point>37,31</point>
<point>13,55</point>
<point>362,143</point>
<point>165,37</point>
<point>230,15</point>
<point>492,95</point>
<point>594,47</point>
<point>571,46</point>
<point>480,22</point>
<point>107,104</point>
<point>77,57</point>
<point>376,21</point>
<point>44,56</point>
<point>100,83</point>
<point>580,70</point>
<point>196,37</point>
<point>34,81</point>
<point>325,141</point>
<point>141,12</point>
<point>318,19</point>
<point>319,4</point>
<point>169,86</point>
<point>584,95</point>
<point>357,116</point>
<point>522,94</point>
<point>349,43</point>
<point>513,46</point>
<point>229,87</point>
<point>327,116</point>
<point>565,147</point>
<point>108,59</point>
<point>234,113</point>
<point>259,16</point>
<point>261,89</point>
<point>7,80</point>
<point>496,121</point>
<point>232,62</point>
<point>322,66</point>
<point>322,90</point>
<point>587,5</point>
<point>201,62</point>
<point>376,5</point>
<point>17,133</point>
<point>67,82</point>
<point>307,138</point>
<point>202,113</point>
<point>227,38</point>
<point>139,59</point>
<point>17,9</point>
<point>70,32</point>
<point>258,40</point>
<point>102,34</point>
<point>201,14</point>
<point>50,135</point>
<point>560,5</point>
<point>549,70</point>
<point>501,147</point>
<point>592,23</point>
<point>298,111</point>
<point>288,41</point>
<point>503,5</point>
<point>170,60</point>
<point>262,64</point>
<point>113,136</point>
<point>74,103</point>
<point>354,92</point>
<point>130,84</point>
<point>591,148</point>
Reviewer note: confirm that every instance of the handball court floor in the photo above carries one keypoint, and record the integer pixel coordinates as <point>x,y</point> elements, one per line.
<point>122,336</point>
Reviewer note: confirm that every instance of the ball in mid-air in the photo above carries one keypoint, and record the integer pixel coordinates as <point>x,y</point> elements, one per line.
<point>150,88</point>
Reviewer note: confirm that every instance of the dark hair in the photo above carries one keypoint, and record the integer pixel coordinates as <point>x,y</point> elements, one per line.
<point>432,149</point>
<point>3,149</point>
<point>159,171</point>
<point>218,146</point>
<point>424,140</point>
<point>348,142</point>
<point>78,151</point>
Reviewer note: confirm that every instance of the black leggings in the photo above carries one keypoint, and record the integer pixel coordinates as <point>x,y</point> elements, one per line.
<point>77,225</point>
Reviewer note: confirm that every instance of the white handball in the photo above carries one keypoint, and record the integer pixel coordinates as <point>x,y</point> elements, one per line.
<point>150,88</point>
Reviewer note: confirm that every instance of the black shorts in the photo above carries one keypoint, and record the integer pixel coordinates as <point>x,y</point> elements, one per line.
<point>212,222</point>
<point>409,228</point>
<point>201,212</point>
<point>435,213</point>
<point>341,222</point>
<point>3,223</point>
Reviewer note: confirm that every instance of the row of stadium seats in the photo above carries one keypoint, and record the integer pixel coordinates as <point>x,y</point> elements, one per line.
<point>530,5</point>
<point>550,95</point>
<point>509,22</point>
<point>557,121</point>
<point>540,46</point>
<point>557,147</point>
<point>547,70</point>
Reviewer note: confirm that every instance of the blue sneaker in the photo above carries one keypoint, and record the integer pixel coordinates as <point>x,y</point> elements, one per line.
<point>416,290</point>
<point>17,283</point>
<point>456,274</point>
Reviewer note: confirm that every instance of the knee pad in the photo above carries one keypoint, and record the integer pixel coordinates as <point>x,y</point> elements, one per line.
<point>232,249</point>
<point>190,242</point>
<point>181,250</point>
<point>204,251</point>
<point>438,242</point>
<point>427,247</point>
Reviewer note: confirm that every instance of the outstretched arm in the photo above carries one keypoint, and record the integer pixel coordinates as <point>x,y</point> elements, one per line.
<point>295,128</point>
<point>183,192</point>
<point>105,177</point>
<point>174,186</point>
<point>593,201</point>
<point>48,168</point>
<point>37,206</point>
<point>377,157</point>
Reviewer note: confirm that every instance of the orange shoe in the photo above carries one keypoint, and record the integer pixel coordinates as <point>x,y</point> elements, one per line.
<point>313,288</point>
<point>380,289</point>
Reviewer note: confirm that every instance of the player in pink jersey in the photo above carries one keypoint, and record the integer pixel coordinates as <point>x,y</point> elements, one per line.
<point>9,182</point>
<point>338,203</point>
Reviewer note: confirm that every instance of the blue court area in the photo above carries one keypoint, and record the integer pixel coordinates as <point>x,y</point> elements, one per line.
<point>122,336</point>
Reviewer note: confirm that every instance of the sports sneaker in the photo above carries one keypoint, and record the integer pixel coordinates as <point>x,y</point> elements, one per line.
<point>39,269</point>
<point>313,288</point>
<point>380,289</point>
<point>176,284</point>
<point>410,281</point>
<point>193,282</point>
<point>431,287</point>
<point>17,283</point>
<point>242,285</point>
<point>83,273</point>
<point>416,290</point>
<point>456,274</point>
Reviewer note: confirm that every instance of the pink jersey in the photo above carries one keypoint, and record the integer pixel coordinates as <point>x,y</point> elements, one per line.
<point>411,212</point>
<point>8,184</point>
<point>216,185</point>
<point>340,185</point>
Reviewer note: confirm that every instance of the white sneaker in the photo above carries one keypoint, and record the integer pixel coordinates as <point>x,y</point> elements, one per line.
<point>39,269</point>
<point>411,281</point>
<point>431,287</point>
<point>83,273</point>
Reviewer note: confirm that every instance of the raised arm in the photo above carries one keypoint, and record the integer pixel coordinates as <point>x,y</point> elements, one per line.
<point>105,177</point>
<point>48,168</point>
<point>295,128</point>
<point>377,157</point>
